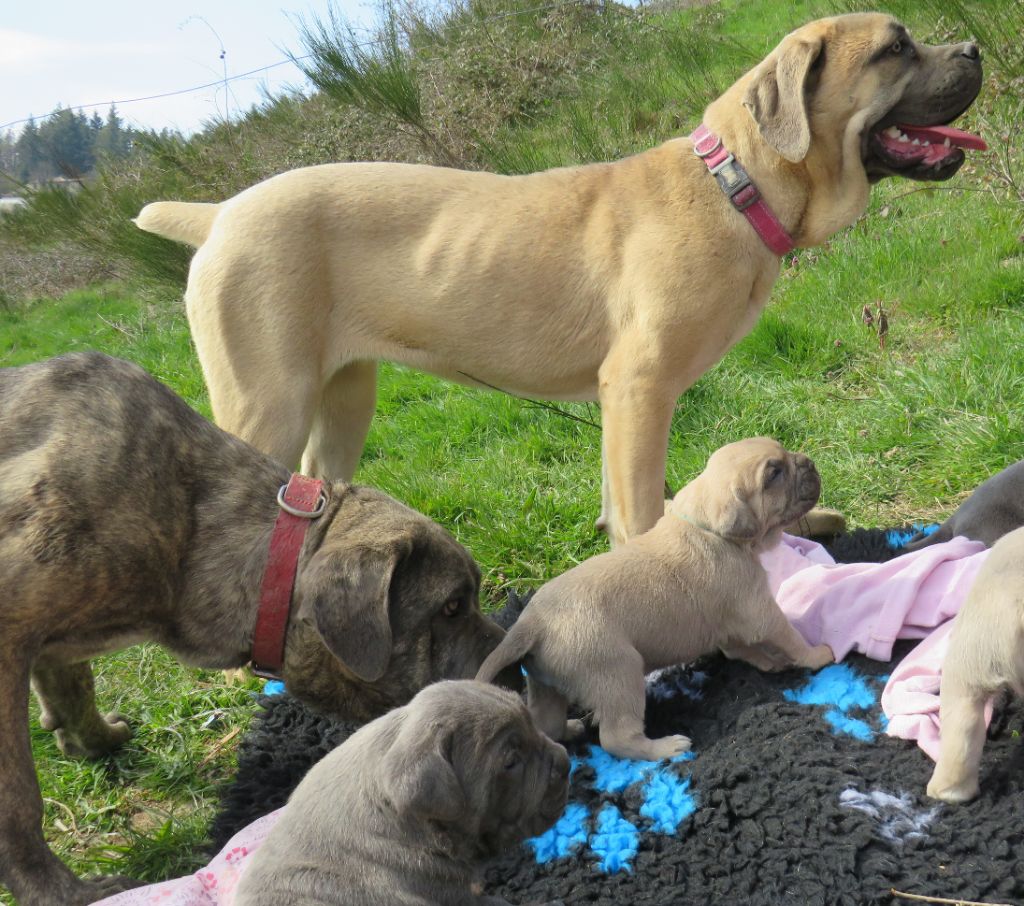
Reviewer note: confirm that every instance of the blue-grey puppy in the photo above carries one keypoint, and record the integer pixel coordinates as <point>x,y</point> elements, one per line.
<point>405,812</point>
<point>995,508</point>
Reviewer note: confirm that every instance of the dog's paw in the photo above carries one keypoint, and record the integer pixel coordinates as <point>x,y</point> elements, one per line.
<point>669,747</point>
<point>820,656</point>
<point>91,890</point>
<point>575,730</point>
<point>96,740</point>
<point>954,793</point>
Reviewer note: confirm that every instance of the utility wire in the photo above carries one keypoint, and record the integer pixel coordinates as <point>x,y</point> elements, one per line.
<point>242,75</point>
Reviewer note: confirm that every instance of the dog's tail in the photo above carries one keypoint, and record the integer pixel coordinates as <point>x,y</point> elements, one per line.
<point>943,533</point>
<point>514,647</point>
<point>182,221</point>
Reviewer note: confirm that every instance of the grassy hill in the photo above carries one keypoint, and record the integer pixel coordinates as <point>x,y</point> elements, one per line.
<point>901,429</point>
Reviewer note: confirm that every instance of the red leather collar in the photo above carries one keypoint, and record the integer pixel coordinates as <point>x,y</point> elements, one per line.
<point>300,500</point>
<point>740,190</point>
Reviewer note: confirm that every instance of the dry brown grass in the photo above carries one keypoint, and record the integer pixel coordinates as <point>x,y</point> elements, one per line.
<point>27,274</point>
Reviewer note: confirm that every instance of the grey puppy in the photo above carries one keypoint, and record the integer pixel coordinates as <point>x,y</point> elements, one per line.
<point>985,655</point>
<point>995,508</point>
<point>127,517</point>
<point>690,585</point>
<point>406,810</point>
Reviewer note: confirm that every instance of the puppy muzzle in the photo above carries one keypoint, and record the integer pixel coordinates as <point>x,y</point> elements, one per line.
<point>808,482</point>
<point>557,793</point>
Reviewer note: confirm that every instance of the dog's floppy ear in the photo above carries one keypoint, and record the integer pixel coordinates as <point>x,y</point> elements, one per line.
<point>347,601</point>
<point>733,517</point>
<point>418,775</point>
<point>777,96</point>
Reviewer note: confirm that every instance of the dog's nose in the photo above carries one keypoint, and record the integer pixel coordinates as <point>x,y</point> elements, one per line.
<point>971,51</point>
<point>559,764</point>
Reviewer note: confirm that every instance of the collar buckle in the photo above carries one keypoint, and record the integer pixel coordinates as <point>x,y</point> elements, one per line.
<point>733,180</point>
<point>321,504</point>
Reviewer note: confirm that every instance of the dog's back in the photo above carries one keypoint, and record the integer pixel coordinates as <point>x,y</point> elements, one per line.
<point>101,469</point>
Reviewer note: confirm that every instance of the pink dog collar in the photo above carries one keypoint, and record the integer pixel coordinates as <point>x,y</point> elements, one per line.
<point>740,190</point>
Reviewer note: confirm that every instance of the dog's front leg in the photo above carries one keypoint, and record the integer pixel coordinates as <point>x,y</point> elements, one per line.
<point>636,411</point>
<point>607,518</point>
<point>792,649</point>
<point>33,873</point>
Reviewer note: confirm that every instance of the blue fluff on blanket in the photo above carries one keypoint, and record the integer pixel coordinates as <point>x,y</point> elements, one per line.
<point>613,839</point>
<point>842,687</point>
<point>897,539</point>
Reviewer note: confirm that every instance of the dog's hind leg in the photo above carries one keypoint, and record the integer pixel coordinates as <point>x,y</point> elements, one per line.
<point>618,694</point>
<point>341,422</point>
<point>549,708</point>
<point>67,698</point>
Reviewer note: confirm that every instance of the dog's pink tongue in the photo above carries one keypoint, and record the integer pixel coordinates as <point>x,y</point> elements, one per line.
<point>937,135</point>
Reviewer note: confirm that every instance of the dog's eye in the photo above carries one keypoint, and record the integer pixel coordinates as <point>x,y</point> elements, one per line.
<point>512,760</point>
<point>897,48</point>
<point>451,607</point>
<point>772,473</point>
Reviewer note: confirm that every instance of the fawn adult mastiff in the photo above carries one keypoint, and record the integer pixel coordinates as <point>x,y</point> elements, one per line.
<point>125,516</point>
<point>622,282</point>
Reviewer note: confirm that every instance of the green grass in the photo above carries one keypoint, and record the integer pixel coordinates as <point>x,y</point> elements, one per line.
<point>144,810</point>
<point>899,432</point>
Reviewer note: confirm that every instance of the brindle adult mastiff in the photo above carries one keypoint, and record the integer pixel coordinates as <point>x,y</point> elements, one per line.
<point>618,281</point>
<point>126,517</point>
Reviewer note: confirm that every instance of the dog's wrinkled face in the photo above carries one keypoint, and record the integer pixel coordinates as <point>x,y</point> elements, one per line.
<point>387,604</point>
<point>750,489</point>
<point>469,758</point>
<point>864,77</point>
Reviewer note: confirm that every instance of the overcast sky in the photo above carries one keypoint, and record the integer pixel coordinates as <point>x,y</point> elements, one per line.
<point>73,54</point>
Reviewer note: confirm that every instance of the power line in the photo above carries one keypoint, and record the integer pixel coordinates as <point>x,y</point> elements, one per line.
<point>166,94</point>
<point>243,75</point>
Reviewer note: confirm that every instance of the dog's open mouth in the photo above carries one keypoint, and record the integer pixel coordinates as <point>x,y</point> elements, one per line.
<point>919,152</point>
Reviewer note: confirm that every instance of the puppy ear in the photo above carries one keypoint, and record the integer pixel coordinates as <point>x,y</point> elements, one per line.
<point>347,602</point>
<point>777,97</point>
<point>418,775</point>
<point>735,518</point>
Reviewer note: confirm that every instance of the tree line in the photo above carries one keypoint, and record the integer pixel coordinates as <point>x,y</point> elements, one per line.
<point>65,144</point>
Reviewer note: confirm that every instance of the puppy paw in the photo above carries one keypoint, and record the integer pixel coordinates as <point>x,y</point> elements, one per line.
<point>820,656</point>
<point>575,730</point>
<point>95,740</point>
<point>952,792</point>
<point>669,747</point>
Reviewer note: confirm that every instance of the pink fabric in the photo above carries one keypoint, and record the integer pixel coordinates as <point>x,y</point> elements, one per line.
<point>865,607</point>
<point>213,885</point>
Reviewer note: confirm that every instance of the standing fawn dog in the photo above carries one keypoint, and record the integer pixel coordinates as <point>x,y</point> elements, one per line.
<point>622,282</point>
<point>691,585</point>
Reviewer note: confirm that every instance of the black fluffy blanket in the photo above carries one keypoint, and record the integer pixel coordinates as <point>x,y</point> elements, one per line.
<point>792,795</point>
